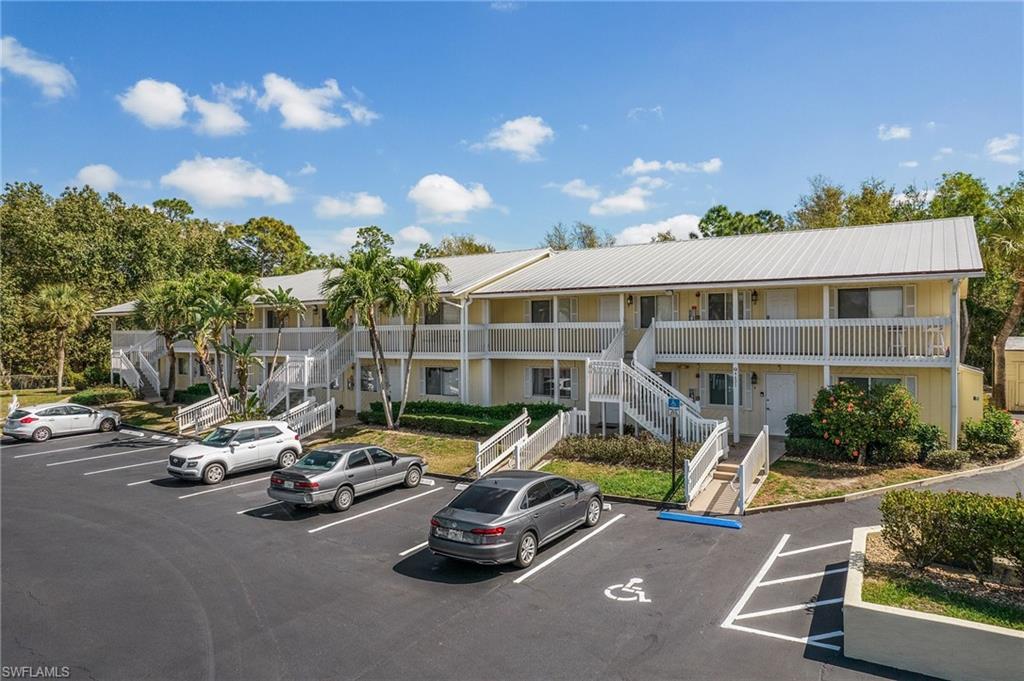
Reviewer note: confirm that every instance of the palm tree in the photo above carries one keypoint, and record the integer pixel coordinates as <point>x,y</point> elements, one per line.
<point>243,358</point>
<point>238,292</point>
<point>163,307</point>
<point>65,309</point>
<point>419,290</point>
<point>366,284</point>
<point>282,303</point>
<point>206,318</point>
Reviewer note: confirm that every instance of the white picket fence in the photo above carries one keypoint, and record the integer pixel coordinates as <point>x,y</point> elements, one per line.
<point>309,417</point>
<point>753,470</point>
<point>542,440</point>
<point>698,470</point>
<point>209,412</point>
<point>501,445</point>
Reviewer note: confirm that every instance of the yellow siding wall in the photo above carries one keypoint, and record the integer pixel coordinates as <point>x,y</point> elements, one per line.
<point>1015,380</point>
<point>972,394</point>
<point>508,381</point>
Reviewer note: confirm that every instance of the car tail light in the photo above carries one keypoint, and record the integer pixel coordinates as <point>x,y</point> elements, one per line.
<point>276,481</point>
<point>434,522</point>
<point>489,531</point>
<point>296,436</point>
<point>307,485</point>
<point>28,419</point>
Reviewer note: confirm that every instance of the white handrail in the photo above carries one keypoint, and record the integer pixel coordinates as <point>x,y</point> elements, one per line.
<point>643,354</point>
<point>299,409</point>
<point>120,363</point>
<point>698,470</point>
<point>502,444</point>
<point>540,442</point>
<point>313,420</point>
<point>151,374</point>
<point>753,470</point>
<point>616,348</point>
<point>205,413</point>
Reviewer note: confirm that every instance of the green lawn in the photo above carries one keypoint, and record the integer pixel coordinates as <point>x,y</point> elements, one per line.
<point>444,454</point>
<point>802,479</point>
<point>916,594</point>
<point>138,413</point>
<point>28,398</point>
<point>640,483</point>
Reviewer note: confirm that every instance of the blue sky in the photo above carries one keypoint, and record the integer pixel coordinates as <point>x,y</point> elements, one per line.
<point>500,120</point>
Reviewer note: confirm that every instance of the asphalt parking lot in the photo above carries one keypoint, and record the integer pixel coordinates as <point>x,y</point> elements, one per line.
<point>118,571</point>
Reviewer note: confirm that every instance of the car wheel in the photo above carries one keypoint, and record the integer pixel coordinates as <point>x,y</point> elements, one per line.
<point>527,550</point>
<point>213,474</point>
<point>106,425</point>
<point>286,458</point>
<point>413,476</point>
<point>343,499</point>
<point>593,512</point>
<point>42,434</point>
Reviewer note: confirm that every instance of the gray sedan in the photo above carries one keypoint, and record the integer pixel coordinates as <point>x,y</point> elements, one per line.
<point>337,475</point>
<point>506,517</point>
<point>42,421</point>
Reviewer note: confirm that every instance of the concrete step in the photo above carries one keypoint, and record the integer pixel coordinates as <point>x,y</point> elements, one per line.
<point>728,467</point>
<point>723,475</point>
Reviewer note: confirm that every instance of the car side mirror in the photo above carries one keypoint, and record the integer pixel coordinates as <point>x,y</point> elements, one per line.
<point>233,444</point>
<point>579,488</point>
<point>394,459</point>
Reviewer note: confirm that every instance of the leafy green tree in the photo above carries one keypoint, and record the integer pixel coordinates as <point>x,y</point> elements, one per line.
<point>580,235</point>
<point>175,210</point>
<point>65,309</point>
<point>719,221</point>
<point>243,358</point>
<point>1004,246</point>
<point>365,285</point>
<point>454,244</point>
<point>265,246</point>
<point>873,205</point>
<point>662,237</point>
<point>164,307</point>
<point>418,291</point>
<point>911,204</point>
<point>823,207</point>
<point>282,303</point>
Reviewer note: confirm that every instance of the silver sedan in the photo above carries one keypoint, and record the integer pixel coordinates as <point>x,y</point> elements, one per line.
<point>506,517</point>
<point>42,421</point>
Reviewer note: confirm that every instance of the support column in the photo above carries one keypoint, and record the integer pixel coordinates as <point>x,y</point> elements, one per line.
<point>554,346</point>
<point>954,363</point>
<point>737,389</point>
<point>826,335</point>
<point>359,384</point>
<point>486,313</point>
<point>487,381</point>
<point>464,352</point>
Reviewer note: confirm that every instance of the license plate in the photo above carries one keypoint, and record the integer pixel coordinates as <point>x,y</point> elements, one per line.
<point>288,484</point>
<point>455,535</point>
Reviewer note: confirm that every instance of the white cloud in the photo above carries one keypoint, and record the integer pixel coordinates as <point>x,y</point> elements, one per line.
<point>360,113</point>
<point>642,167</point>
<point>359,204</point>
<point>347,236</point>
<point>505,6</point>
<point>242,92</point>
<point>226,182</point>
<point>931,125</point>
<point>893,132</point>
<point>679,225</point>
<point>311,108</point>
<point>439,198</point>
<point>99,176</point>
<point>415,234</point>
<point>633,200</point>
<point>651,182</point>
<point>158,104</point>
<point>1002,149</point>
<point>909,164</point>
<point>307,169</point>
<point>217,119</point>
<point>521,136</point>
<point>52,78</point>
<point>942,153</point>
<point>639,112</point>
<point>577,188</point>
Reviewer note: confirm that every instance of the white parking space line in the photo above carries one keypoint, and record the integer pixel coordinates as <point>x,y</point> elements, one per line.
<point>250,510</point>
<point>789,608</point>
<point>121,468</point>
<point>754,582</point>
<point>567,549</point>
<point>143,482</point>
<point>376,510</point>
<point>105,456</point>
<point>221,488</point>
<point>413,549</point>
<point>806,640</point>
<point>814,548</point>
<point>67,449</point>
<point>811,575</point>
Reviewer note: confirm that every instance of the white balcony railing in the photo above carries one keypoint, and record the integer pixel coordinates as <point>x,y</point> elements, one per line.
<point>126,339</point>
<point>584,339</point>
<point>889,340</point>
<point>294,339</point>
<point>431,339</point>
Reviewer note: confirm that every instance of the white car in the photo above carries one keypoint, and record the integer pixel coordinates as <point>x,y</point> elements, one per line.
<point>236,447</point>
<point>43,421</point>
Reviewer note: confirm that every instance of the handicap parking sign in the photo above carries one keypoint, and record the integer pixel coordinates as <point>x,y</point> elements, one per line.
<point>674,403</point>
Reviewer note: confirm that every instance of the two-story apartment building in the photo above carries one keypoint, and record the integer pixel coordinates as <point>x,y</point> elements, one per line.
<point>746,328</point>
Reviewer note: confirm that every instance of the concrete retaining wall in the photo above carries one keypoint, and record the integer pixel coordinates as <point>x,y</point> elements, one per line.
<point>939,646</point>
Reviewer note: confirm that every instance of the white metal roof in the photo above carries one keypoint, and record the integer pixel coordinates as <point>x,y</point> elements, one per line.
<point>1015,343</point>
<point>926,247</point>
<point>466,272</point>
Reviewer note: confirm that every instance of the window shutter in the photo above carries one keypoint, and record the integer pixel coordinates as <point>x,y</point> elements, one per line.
<point>748,392</point>
<point>704,387</point>
<point>526,311</point>
<point>704,306</point>
<point>745,305</point>
<point>574,383</point>
<point>910,300</point>
<point>636,312</point>
<point>574,309</point>
<point>423,381</point>
<point>832,304</point>
<point>528,382</point>
<point>910,382</point>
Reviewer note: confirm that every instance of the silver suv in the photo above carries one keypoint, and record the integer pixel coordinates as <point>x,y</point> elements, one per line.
<point>236,447</point>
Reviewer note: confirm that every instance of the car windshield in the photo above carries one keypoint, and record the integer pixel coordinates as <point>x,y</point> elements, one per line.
<point>323,461</point>
<point>483,499</point>
<point>220,437</point>
<point>17,414</point>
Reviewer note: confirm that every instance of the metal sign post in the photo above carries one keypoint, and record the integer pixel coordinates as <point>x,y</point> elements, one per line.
<point>674,403</point>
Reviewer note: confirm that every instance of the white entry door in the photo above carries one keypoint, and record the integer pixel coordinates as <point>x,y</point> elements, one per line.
<point>781,303</point>
<point>779,401</point>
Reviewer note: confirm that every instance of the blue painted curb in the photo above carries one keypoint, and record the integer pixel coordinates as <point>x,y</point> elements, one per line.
<point>700,520</point>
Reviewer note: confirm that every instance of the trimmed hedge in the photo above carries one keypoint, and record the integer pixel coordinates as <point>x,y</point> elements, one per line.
<point>450,425</point>
<point>102,394</point>
<point>994,428</point>
<point>954,528</point>
<point>814,448</point>
<point>800,426</point>
<point>948,459</point>
<point>192,394</point>
<point>929,438</point>
<point>638,452</point>
<point>900,451</point>
<point>503,412</point>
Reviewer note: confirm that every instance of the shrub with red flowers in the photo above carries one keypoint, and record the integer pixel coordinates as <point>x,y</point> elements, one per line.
<point>840,420</point>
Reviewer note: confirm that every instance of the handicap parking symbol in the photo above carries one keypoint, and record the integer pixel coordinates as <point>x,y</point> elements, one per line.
<point>629,591</point>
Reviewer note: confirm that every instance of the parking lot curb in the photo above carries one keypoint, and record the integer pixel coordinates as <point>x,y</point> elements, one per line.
<point>154,431</point>
<point>923,482</point>
<point>652,503</point>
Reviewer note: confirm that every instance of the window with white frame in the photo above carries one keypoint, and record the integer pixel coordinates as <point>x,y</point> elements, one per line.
<point>718,306</point>
<point>441,381</point>
<point>863,303</point>
<point>654,307</point>
<point>568,310</point>
<point>183,366</point>
<point>541,382</point>
<point>442,314</point>
<point>271,319</point>
<point>719,390</point>
<point>540,312</point>
<point>868,382</point>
